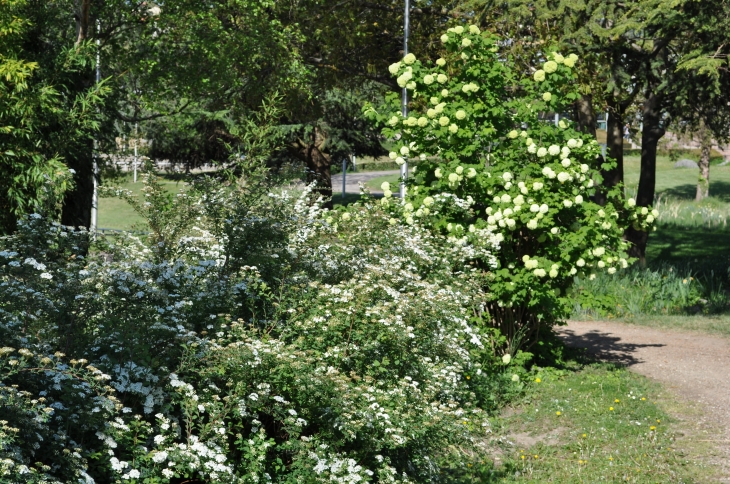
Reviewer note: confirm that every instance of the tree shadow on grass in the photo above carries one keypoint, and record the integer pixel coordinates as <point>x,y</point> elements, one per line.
<point>678,243</point>
<point>718,189</point>
<point>604,346</point>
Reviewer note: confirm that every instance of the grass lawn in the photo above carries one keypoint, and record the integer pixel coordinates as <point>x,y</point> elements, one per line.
<point>589,424</point>
<point>115,213</point>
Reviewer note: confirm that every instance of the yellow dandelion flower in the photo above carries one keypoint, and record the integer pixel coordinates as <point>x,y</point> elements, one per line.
<point>537,380</point>
<point>652,428</point>
<point>585,435</point>
<point>558,413</point>
<point>617,401</point>
<point>643,399</point>
<point>522,457</point>
<point>610,409</point>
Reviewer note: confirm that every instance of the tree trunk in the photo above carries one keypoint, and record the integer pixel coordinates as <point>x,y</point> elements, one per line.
<point>82,21</point>
<point>653,131</point>
<point>318,170</point>
<point>585,115</point>
<point>703,183</point>
<point>76,210</point>
<point>615,143</point>
<point>311,151</point>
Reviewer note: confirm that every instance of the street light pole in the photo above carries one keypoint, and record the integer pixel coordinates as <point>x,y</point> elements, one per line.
<point>95,164</point>
<point>404,96</point>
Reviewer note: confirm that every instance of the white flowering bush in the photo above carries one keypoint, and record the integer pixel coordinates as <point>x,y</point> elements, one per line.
<point>270,341</point>
<point>476,125</point>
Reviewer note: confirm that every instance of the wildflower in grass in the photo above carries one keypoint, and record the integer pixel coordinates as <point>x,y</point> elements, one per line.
<point>652,428</point>
<point>610,409</point>
<point>538,380</point>
<point>558,413</point>
<point>617,401</point>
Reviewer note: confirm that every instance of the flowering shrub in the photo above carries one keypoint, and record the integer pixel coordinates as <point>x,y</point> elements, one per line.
<point>490,165</point>
<point>271,341</point>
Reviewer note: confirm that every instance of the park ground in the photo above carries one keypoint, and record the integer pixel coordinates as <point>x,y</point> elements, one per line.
<point>640,394</point>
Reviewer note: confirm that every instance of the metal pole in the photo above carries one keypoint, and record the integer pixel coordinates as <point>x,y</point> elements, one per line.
<point>136,141</point>
<point>354,163</point>
<point>344,176</point>
<point>404,96</point>
<point>557,119</point>
<point>95,165</point>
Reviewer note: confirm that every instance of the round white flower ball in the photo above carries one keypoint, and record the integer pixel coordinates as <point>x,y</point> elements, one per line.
<point>539,75</point>
<point>453,129</point>
<point>539,272</point>
<point>572,143</point>
<point>394,68</point>
<point>460,114</point>
<point>428,79</point>
<point>409,59</point>
<point>580,263</point>
<point>385,186</point>
<point>471,173</point>
<point>474,29</point>
<point>444,121</point>
<point>532,148</point>
<point>441,62</point>
<point>399,161</point>
<point>542,152</point>
<point>441,78</point>
<point>631,202</point>
<point>568,203</point>
<point>453,177</point>
<point>423,121</point>
<point>554,150</point>
<point>579,199</point>
<point>505,198</point>
<point>546,96</point>
<point>565,162</point>
<point>444,38</point>
<point>563,176</point>
<point>550,67</point>
<point>465,42</point>
<point>437,173</point>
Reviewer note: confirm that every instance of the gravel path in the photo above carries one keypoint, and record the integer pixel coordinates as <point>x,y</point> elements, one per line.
<point>693,366</point>
<point>353,180</point>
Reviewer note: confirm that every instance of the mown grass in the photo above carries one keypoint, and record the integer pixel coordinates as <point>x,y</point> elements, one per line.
<point>117,214</point>
<point>595,423</point>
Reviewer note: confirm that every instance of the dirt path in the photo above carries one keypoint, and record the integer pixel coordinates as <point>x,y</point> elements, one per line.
<point>693,366</point>
<point>353,180</point>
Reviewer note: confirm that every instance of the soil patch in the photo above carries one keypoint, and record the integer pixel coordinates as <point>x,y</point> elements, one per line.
<point>693,366</point>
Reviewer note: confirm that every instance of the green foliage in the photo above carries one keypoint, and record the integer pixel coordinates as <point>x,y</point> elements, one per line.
<point>272,338</point>
<point>39,121</point>
<point>498,169</point>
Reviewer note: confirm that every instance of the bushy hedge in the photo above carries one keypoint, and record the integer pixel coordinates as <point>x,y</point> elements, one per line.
<point>273,341</point>
<point>475,123</point>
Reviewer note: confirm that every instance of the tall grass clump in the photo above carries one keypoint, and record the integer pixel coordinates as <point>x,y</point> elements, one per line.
<point>661,290</point>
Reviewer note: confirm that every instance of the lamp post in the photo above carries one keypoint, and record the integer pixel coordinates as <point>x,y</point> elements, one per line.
<point>404,96</point>
<point>95,164</point>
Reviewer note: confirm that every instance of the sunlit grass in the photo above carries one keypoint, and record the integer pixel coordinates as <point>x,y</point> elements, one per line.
<point>593,424</point>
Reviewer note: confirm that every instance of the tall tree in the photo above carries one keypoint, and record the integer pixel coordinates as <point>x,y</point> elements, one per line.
<point>48,119</point>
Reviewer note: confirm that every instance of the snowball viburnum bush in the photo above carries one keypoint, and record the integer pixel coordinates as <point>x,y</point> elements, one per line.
<point>479,133</point>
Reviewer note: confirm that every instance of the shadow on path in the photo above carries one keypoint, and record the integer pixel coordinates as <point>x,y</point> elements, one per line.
<point>605,346</point>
